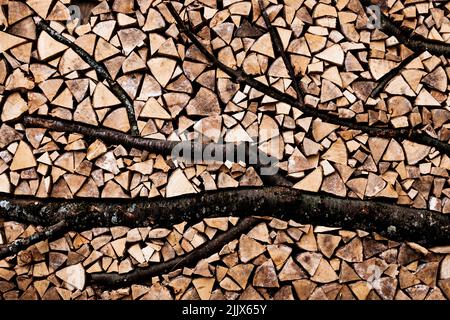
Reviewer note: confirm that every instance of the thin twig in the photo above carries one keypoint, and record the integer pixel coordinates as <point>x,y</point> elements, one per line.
<point>189,260</point>
<point>238,75</point>
<point>278,46</point>
<point>383,81</point>
<point>21,244</point>
<point>101,70</point>
<point>398,223</point>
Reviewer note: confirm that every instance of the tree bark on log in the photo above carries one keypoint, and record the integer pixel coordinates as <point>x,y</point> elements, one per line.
<point>395,222</point>
<point>207,249</point>
<point>416,43</point>
<point>278,46</point>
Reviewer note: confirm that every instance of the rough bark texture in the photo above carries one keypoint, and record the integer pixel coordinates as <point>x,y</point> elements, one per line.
<point>415,43</point>
<point>398,223</point>
<point>346,163</point>
<point>278,46</point>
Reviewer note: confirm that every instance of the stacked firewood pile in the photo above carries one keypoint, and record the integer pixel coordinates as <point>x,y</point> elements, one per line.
<point>275,259</point>
<point>95,95</point>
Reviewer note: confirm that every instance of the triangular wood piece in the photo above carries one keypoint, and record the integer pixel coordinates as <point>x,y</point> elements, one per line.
<point>162,69</point>
<point>103,97</point>
<point>23,158</point>
<point>311,182</point>
<point>48,47</point>
<point>178,184</point>
<point>152,109</point>
<point>41,7</point>
<point>8,41</point>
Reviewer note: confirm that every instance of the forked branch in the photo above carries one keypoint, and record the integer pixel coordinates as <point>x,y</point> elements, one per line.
<point>400,134</point>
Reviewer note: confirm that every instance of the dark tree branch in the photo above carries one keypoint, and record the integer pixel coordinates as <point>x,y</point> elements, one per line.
<point>415,42</point>
<point>163,147</point>
<point>229,151</point>
<point>100,69</point>
<point>400,134</point>
<point>278,46</point>
<point>383,81</point>
<point>21,244</point>
<point>188,260</point>
<point>395,222</point>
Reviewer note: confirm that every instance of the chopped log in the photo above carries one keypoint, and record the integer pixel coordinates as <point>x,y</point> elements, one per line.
<point>311,182</point>
<point>394,152</point>
<point>73,275</point>
<point>416,43</point>
<point>103,97</point>
<point>324,273</point>
<point>49,47</point>
<point>118,120</point>
<point>20,244</point>
<point>415,152</point>
<point>388,71</point>
<point>162,69</point>
<point>266,276</point>
<point>403,160</point>
<point>280,48</point>
<point>333,54</point>
<point>13,107</point>
<point>415,136</point>
<point>9,41</point>
<point>178,184</point>
<point>337,153</point>
<point>23,158</point>
<point>249,249</point>
<point>204,103</point>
